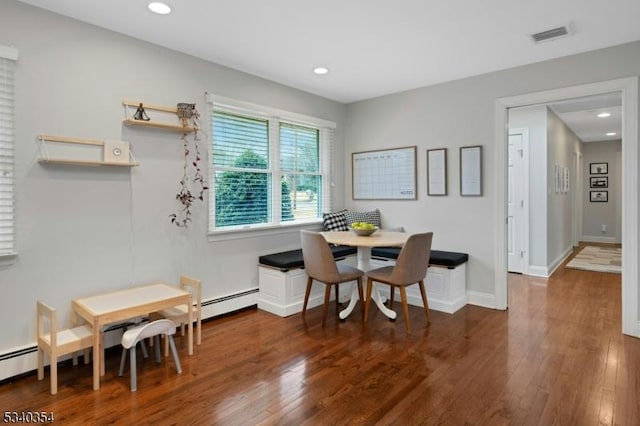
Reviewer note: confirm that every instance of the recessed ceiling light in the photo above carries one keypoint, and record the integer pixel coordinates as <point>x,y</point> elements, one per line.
<point>611,134</point>
<point>320,70</point>
<point>604,115</point>
<point>159,8</point>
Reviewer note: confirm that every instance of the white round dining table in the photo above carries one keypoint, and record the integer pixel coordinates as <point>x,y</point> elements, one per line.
<point>365,244</point>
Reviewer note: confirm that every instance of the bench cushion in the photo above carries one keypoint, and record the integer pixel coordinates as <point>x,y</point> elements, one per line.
<point>449,259</point>
<point>292,259</point>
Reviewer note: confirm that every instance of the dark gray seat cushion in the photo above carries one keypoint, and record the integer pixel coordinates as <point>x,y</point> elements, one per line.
<point>292,259</point>
<point>449,259</point>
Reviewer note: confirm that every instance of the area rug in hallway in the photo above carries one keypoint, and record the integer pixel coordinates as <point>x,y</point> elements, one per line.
<point>601,259</point>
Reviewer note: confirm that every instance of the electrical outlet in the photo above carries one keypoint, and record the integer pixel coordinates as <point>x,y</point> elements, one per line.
<point>604,229</point>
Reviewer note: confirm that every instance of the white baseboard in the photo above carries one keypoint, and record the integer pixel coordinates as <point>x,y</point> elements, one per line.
<point>599,239</point>
<point>559,260</point>
<point>485,300</point>
<point>296,307</point>
<point>20,360</point>
<point>538,271</point>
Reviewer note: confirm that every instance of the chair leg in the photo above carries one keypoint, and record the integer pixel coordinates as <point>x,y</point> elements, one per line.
<point>166,346</point>
<point>123,359</point>
<point>392,293</point>
<point>325,306</point>
<point>157,348</point>
<point>133,373</point>
<point>405,308</point>
<point>425,303</point>
<point>176,359</point>
<point>368,302</point>
<point>337,297</point>
<point>53,365</point>
<point>199,325</point>
<point>360,294</point>
<point>40,364</point>
<point>143,346</point>
<point>306,296</point>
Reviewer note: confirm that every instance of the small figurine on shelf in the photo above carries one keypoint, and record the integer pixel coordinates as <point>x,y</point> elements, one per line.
<point>141,114</point>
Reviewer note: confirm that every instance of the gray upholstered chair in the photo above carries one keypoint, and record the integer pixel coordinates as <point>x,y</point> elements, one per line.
<point>410,268</point>
<point>321,266</point>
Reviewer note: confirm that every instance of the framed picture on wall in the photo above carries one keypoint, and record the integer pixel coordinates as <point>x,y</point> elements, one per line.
<point>471,171</point>
<point>599,182</point>
<point>599,168</point>
<point>599,196</point>
<point>437,171</point>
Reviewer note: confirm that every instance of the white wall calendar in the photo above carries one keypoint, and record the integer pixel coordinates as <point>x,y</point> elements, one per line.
<point>387,174</point>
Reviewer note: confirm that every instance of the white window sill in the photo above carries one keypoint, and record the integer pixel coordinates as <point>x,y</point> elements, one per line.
<point>266,230</point>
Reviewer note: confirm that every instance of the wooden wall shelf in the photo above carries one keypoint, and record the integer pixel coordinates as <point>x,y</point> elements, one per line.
<point>45,158</point>
<point>131,106</point>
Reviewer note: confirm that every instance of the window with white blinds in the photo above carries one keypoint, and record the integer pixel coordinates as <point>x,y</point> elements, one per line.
<point>8,57</point>
<point>268,169</point>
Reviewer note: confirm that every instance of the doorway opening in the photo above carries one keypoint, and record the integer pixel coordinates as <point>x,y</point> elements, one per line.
<point>628,87</point>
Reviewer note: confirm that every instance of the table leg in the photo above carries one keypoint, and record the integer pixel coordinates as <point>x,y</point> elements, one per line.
<point>190,326</point>
<point>364,264</point>
<point>96,355</point>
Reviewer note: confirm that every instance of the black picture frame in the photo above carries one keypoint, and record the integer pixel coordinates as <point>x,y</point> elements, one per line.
<point>598,168</point>
<point>600,182</point>
<point>599,196</point>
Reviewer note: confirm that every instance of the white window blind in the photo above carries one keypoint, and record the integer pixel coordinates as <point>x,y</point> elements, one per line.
<point>8,57</point>
<point>267,170</point>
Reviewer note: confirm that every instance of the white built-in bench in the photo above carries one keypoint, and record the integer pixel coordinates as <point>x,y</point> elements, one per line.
<point>282,279</point>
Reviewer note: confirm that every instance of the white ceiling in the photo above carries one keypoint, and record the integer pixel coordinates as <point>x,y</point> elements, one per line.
<point>372,47</point>
<point>581,116</point>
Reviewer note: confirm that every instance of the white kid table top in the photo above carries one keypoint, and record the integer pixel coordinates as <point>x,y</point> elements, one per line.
<point>364,244</point>
<point>107,308</point>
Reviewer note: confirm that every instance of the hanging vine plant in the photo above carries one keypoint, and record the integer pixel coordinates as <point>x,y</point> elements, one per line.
<point>187,195</point>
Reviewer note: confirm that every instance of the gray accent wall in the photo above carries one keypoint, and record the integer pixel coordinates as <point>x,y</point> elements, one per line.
<point>599,214</point>
<point>460,113</point>
<point>85,230</point>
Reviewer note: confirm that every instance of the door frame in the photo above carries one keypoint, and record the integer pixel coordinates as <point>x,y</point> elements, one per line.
<point>524,131</point>
<point>630,259</point>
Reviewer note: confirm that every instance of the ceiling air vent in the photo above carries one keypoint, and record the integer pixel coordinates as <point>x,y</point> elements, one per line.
<point>551,34</point>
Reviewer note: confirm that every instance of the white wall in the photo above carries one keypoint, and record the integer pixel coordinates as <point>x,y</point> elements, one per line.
<point>83,230</point>
<point>461,113</point>
<point>597,214</point>
<point>535,119</point>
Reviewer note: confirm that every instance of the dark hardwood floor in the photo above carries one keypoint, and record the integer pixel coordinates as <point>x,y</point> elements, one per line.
<point>556,357</point>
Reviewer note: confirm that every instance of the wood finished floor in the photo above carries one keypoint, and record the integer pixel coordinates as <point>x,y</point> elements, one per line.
<point>557,357</point>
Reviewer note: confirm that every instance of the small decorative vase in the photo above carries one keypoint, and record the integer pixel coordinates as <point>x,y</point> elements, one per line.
<point>185,111</point>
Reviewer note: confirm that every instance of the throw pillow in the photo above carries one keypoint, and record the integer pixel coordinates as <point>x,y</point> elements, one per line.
<point>335,221</point>
<point>369,217</point>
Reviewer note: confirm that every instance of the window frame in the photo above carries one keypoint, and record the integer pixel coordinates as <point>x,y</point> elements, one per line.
<point>274,117</point>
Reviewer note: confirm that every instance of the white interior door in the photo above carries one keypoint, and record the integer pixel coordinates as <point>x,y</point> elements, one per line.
<point>516,204</point>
